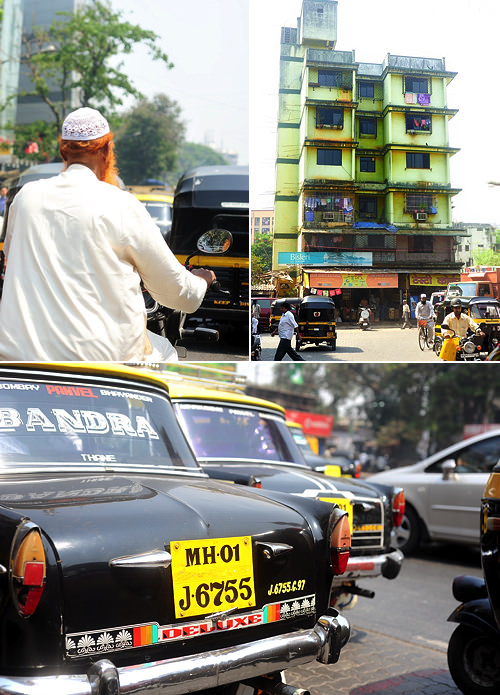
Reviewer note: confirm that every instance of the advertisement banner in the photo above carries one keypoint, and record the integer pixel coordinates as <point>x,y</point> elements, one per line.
<point>312,423</point>
<point>355,258</point>
<point>348,280</point>
<point>435,279</point>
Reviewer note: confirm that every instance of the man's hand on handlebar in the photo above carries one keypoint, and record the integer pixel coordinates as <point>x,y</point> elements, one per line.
<point>207,275</point>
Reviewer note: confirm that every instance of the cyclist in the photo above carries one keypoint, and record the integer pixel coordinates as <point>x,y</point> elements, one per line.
<point>424,311</point>
<point>458,322</point>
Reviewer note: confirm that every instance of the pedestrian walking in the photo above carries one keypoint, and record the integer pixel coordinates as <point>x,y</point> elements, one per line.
<point>406,315</point>
<point>286,328</point>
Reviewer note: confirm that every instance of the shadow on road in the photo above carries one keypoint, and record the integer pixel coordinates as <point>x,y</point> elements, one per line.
<point>438,681</point>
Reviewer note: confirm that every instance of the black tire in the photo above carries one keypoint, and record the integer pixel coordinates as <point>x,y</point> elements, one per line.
<point>408,535</point>
<point>438,344</point>
<point>298,344</point>
<point>333,345</point>
<point>474,661</point>
<point>422,338</point>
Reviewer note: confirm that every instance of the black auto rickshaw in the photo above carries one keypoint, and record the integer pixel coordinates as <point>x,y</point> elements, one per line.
<point>216,197</point>
<point>275,315</point>
<point>485,311</point>
<point>316,319</point>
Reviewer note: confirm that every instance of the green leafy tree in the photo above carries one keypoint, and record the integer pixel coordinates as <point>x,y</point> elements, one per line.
<point>191,155</point>
<point>76,55</point>
<point>262,252</point>
<point>36,142</point>
<point>148,139</point>
<point>487,257</point>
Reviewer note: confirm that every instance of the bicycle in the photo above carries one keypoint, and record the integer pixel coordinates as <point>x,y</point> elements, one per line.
<point>423,335</point>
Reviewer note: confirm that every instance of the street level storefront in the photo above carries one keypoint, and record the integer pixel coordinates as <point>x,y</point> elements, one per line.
<point>382,291</point>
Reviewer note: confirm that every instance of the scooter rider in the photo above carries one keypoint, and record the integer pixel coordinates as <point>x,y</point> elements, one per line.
<point>424,311</point>
<point>459,322</point>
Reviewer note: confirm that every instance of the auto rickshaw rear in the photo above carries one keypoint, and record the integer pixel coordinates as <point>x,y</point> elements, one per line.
<point>316,319</point>
<point>216,197</point>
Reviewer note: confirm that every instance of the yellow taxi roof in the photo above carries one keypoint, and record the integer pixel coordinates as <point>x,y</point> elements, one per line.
<point>154,197</point>
<point>93,368</point>
<point>179,390</point>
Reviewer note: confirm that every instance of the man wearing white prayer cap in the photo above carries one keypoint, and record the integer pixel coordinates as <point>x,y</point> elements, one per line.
<point>77,248</point>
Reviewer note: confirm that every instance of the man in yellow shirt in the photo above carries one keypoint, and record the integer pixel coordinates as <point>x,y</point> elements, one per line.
<point>458,322</point>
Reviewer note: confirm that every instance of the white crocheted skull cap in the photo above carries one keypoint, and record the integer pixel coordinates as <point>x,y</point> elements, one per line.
<point>84,124</point>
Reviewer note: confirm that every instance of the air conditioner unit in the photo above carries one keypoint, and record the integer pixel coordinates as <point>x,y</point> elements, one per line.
<point>420,216</point>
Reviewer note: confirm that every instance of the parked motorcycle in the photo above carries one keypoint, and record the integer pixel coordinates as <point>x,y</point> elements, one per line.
<point>256,348</point>
<point>170,323</point>
<point>474,646</point>
<point>364,319</point>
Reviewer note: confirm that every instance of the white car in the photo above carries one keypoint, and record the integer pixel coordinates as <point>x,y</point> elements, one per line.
<point>443,492</point>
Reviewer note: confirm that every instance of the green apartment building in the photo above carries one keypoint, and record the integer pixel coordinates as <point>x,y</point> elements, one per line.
<point>363,195</point>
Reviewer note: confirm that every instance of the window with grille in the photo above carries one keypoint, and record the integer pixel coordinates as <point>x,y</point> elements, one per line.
<point>420,244</point>
<point>329,118</point>
<point>368,126</point>
<point>418,160</point>
<point>334,78</point>
<point>416,85</point>
<point>367,164</point>
<point>367,207</point>
<point>367,90</point>
<point>421,202</point>
<point>418,123</point>
<point>329,157</point>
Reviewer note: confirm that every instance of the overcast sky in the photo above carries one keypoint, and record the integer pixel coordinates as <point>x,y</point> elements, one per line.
<point>466,34</point>
<point>207,40</point>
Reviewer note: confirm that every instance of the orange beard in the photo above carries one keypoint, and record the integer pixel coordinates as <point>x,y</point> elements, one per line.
<point>100,153</point>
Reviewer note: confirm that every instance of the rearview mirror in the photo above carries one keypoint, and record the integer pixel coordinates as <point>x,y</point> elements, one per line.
<point>216,241</point>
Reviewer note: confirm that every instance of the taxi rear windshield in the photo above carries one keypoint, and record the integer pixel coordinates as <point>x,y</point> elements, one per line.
<point>220,431</point>
<point>74,423</point>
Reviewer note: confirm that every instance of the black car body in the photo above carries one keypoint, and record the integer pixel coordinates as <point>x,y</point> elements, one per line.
<point>276,313</point>
<point>216,197</point>
<point>246,440</point>
<point>123,568</point>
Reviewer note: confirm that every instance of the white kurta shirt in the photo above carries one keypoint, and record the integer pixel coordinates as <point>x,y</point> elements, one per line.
<point>76,251</point>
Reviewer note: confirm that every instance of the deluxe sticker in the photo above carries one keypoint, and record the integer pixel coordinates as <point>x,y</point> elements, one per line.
<point>133,636</point>
<point>213,575</point>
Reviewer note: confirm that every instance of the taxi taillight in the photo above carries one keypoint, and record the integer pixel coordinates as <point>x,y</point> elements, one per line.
<point>28,571</point>
<point>340,545</point>
<point>398,508</point>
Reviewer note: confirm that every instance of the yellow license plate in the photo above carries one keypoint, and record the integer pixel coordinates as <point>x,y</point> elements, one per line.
<point>330,334</point>
<point>213,575</point>
<point>344,504</point>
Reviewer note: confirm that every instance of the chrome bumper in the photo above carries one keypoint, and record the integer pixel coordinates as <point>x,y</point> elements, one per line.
<point>199,671</point>
<point>386,565</point>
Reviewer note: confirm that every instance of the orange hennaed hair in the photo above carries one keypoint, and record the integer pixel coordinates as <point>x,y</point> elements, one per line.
<point>71,150</point>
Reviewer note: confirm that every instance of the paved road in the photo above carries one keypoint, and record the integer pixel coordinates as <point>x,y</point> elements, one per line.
<point>398,639</point>
<point>381,343</point>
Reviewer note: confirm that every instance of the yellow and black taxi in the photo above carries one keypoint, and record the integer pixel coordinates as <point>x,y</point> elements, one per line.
<point>339,464</point>
<point>246,440</point>
<point>316,319</point>
<point>124,568</point>
<point>276,312</point>
<point>160,207</point>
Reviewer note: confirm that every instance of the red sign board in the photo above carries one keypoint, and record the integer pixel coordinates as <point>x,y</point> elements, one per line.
<point>312,423</point>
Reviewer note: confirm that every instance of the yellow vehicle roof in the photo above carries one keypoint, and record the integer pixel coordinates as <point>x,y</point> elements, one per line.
<point>179,390</point>
<point>94,368</point>
<point>154,197</point>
